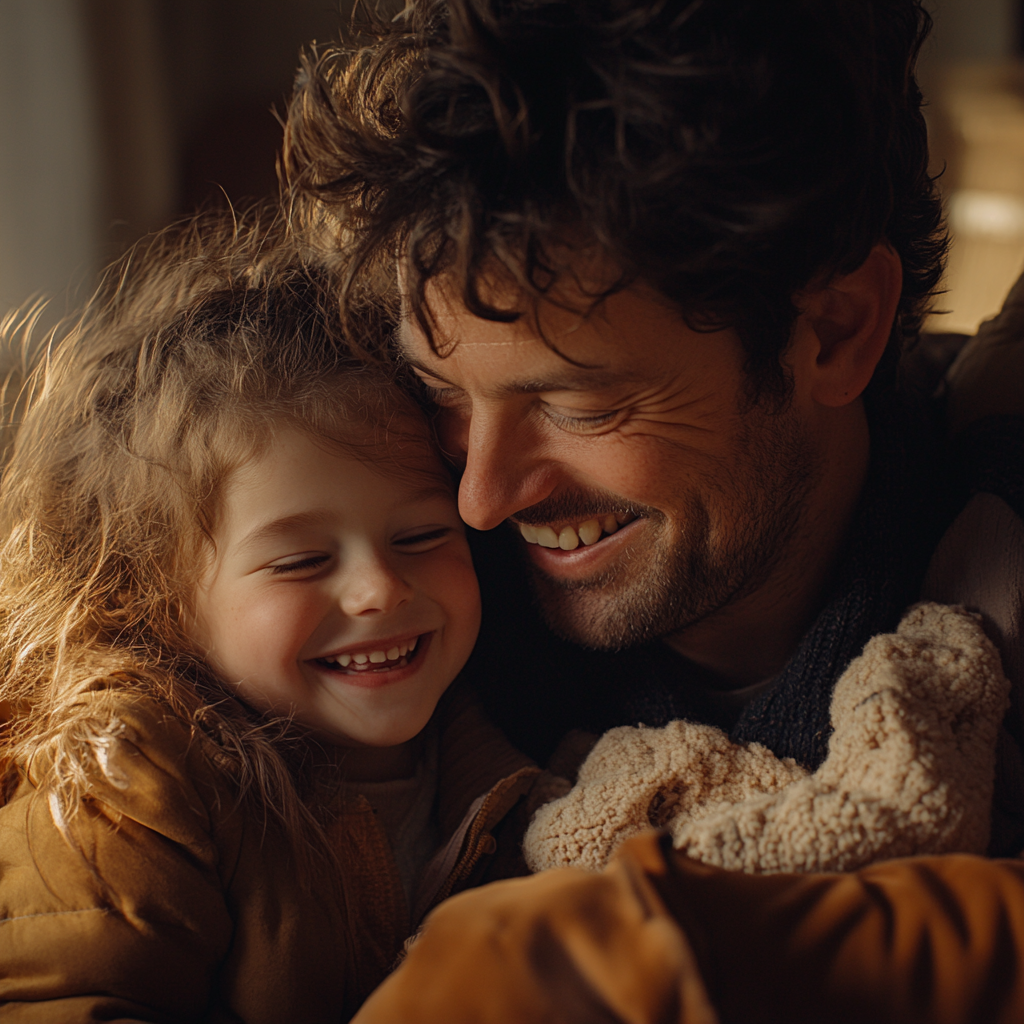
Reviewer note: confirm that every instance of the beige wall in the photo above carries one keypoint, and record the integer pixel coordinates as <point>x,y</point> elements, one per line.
<point>972,30</point>
<point>118,115</point>
<point>972,77</point>
<point>49,155</point>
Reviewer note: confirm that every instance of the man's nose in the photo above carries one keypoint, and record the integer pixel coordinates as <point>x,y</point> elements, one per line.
<point>372,586</point>
<point>505,470</point>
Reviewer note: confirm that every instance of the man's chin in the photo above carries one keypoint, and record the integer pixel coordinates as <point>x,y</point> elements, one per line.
<point>602,618</point>
<point>642,602</point>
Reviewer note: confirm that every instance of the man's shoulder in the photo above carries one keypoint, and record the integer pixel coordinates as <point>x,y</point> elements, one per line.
<point>979,564</point>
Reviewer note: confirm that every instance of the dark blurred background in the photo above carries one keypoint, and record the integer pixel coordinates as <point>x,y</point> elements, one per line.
<point>116,116</point>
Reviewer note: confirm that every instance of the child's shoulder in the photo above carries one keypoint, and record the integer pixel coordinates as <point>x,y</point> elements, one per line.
<point>119,846</point>
<point>133,756</point>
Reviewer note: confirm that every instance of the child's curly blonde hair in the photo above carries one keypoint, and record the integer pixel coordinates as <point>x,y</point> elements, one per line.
<point>196,344</point>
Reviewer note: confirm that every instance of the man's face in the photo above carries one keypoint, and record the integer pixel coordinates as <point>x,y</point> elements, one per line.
<point>648,489</point>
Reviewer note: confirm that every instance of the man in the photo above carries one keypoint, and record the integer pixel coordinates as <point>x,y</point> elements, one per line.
<point>656,264</point>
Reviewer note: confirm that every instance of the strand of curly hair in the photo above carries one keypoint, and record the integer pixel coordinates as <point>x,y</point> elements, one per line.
<point>728,152</point>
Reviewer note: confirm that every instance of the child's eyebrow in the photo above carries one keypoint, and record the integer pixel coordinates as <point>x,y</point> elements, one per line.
<point>320,516</point>
<point>277,527</point>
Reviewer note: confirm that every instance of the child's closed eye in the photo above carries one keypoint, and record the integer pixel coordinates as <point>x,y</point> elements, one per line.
<point>298,563</point>
<point>425,540</point>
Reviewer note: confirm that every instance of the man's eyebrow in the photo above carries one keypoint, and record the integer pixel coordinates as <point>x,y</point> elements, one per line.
<point>572,378</point>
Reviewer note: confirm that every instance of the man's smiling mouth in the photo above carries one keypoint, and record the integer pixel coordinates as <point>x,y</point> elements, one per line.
<point>374,658</point>
<point>569,536</point>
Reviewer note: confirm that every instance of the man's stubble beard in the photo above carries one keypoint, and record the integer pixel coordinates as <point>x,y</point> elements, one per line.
<point>644,598</point>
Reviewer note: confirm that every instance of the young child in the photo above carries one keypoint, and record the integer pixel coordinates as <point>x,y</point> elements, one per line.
<point>235,590</point>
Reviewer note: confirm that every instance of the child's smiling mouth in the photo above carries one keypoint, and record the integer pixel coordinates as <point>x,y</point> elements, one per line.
<point>377,656</point>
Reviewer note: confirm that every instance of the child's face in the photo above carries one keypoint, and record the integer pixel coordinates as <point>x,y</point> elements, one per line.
<point>339,594</point>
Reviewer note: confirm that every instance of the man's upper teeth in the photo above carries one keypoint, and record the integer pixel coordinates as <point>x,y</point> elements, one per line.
<point>570,537</point>
<point>363,659</point>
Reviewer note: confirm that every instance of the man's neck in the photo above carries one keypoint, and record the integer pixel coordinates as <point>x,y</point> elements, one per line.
<point>751,638</point>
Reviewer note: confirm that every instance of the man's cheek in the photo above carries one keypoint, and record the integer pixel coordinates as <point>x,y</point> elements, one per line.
<point>626,472</point>
<point>647,467</point>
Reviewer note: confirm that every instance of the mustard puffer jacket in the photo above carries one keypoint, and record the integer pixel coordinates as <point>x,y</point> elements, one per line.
<point>163,898</point>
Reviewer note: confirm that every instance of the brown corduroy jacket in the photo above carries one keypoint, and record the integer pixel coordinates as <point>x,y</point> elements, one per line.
<point>656,938</point>
<point>179,904</point>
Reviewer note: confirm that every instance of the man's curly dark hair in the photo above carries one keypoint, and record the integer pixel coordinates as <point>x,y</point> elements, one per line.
<point>727,152</point>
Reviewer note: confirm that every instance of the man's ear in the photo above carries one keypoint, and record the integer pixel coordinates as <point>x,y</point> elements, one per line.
<point>844,327</point>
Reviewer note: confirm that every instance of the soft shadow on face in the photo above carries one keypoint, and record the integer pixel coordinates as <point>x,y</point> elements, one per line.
<point>688,568</point>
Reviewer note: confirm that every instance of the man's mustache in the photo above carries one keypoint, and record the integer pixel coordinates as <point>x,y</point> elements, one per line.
<point>578,507</point>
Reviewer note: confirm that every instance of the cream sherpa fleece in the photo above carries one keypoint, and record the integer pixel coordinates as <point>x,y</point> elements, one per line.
<point>909,771</point>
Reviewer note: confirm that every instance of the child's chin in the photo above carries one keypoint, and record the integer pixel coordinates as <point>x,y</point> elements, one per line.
<point>387,734</point>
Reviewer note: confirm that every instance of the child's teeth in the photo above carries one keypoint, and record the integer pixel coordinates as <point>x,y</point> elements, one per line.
<point>567,539</point>
<point>365,659</point>
<point>590,531</point>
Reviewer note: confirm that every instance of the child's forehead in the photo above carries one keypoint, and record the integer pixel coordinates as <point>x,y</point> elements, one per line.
<point>294,445</point>
<point>401,447</point>
<point>400,439</point>
<point>302,476</point>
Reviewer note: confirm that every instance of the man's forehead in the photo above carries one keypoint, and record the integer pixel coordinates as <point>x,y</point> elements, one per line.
<point>515,368</point>
<point>632,337</point>
<point>569,352</point>
<point>595,335</point>
<point>576,300</point>
<point>413,342</point>
<point>452,325</point>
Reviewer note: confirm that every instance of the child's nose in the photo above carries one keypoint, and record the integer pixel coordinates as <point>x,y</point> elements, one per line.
<point>373,586</point>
